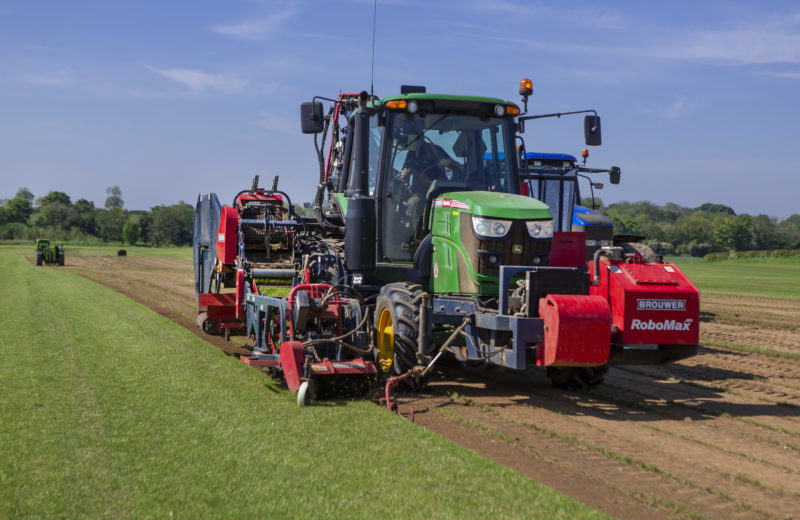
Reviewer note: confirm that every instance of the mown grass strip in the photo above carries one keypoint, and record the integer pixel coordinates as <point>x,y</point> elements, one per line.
<point>651,501</point>
<point>477,426</point>
<point>752,349</point>
<point>606,453</point>
<point>699,409</point>
<point>183,253</point>
<point>109,410</point>
<point>765,280</point>
<point>712,446</point>
<point>676,508</point>
<point>717,388</point>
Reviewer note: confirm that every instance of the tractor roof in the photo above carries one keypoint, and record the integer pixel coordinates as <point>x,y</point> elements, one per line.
<point>418,95</point>
<point>447,102</point>
<point>550,156</point>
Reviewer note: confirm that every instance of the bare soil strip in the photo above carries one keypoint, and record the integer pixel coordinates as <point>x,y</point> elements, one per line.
<point>715,436</point>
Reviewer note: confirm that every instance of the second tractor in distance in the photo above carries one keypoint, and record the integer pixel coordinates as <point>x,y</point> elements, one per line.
<point>49,254</point>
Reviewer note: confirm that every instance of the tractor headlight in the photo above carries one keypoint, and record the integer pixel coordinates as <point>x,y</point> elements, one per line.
<point>540,228</point>
<point>489,227</point>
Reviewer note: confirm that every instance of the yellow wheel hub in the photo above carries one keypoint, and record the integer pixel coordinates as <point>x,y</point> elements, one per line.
<point>385,340</point>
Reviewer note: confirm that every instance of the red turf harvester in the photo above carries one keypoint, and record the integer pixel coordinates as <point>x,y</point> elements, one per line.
<point>247,246</point>
<point>234,245</point>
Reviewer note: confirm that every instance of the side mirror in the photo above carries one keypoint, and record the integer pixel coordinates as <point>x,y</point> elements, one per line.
<point>591,130</point>
<point>614,174</point>
<point>311,117</point>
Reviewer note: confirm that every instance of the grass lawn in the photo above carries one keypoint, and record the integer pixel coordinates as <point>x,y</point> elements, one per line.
<point>108,410</point>
<point>75,250</point>
<point>768,279</point>
<point>161,252</point>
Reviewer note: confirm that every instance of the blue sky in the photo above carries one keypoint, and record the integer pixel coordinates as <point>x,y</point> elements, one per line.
<point>168,99</point>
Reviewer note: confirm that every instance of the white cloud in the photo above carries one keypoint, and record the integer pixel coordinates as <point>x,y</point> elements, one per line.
<point>199,81</point>
<point>64,78</point>
<point>759,41</point>
<point>497,7</point>
<point>678,108</point>
<point>257,29</point>
<point>754,46</point>
<point>35,47</point>
<point>278,123</point>
<point>786,75</point>
<point>523,13</point>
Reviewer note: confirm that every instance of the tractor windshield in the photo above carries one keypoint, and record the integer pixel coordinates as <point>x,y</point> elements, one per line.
<point>557,187</point>
<point>434,154</point>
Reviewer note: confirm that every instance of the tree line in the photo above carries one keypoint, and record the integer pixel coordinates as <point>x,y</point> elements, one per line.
<point>709,228</point>
<point>669,229</point>
<point>57,217</point>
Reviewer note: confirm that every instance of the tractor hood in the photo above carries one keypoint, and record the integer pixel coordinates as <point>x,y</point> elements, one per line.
<point>494,204</point>
<point>582,216</point>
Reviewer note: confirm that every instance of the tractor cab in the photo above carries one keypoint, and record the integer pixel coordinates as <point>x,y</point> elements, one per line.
<point>426,156</point>
<point>555,179</point>
<point>428,190</point>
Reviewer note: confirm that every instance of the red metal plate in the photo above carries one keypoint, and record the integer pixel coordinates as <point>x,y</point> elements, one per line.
<point>577,330</point>
<point>292,359</point>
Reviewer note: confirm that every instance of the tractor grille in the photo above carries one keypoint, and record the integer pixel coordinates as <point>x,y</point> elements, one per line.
<point>488,254</point>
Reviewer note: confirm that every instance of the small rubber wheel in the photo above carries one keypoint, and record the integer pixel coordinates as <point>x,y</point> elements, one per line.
<point>305,395</point>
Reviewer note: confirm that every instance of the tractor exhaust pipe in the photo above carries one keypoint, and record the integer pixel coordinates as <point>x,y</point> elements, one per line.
<point>359,231</point>
<point>614,253</point>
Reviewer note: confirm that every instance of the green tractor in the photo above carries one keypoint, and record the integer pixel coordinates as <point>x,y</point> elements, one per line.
<point>49,254</point>
<point>426,195</point>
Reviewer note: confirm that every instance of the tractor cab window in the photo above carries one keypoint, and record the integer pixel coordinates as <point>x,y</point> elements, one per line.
<point>375,135</point>
<point>556,187</point>
<point>435,154</point>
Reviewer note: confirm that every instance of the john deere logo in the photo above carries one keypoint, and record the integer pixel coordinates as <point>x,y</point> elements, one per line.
<point>516,249</point>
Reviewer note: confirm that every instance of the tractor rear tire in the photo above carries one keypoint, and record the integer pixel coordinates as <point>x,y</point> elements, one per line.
<point>397,331</point>
<point>39,258</point>
<point>577,378</point>
<point>61,259</point>
<point>648,255</point>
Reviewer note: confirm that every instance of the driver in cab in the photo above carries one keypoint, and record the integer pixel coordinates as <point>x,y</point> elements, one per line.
<point>424,163</point>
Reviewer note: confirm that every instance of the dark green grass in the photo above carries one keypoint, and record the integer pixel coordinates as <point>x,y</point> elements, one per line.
<point>108,410</point>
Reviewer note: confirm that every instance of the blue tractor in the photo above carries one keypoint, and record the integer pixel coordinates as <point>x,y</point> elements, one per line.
<point>555,179</point>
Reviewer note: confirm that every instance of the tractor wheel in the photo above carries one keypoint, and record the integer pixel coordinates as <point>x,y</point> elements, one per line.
<point>577,378</point>
<point>648,255</point>
<point>397,330</point>
<point>39,258</point>
<point>61,259</point>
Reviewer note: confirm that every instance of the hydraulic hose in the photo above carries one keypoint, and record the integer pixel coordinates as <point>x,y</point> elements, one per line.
<point>343,336</point>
